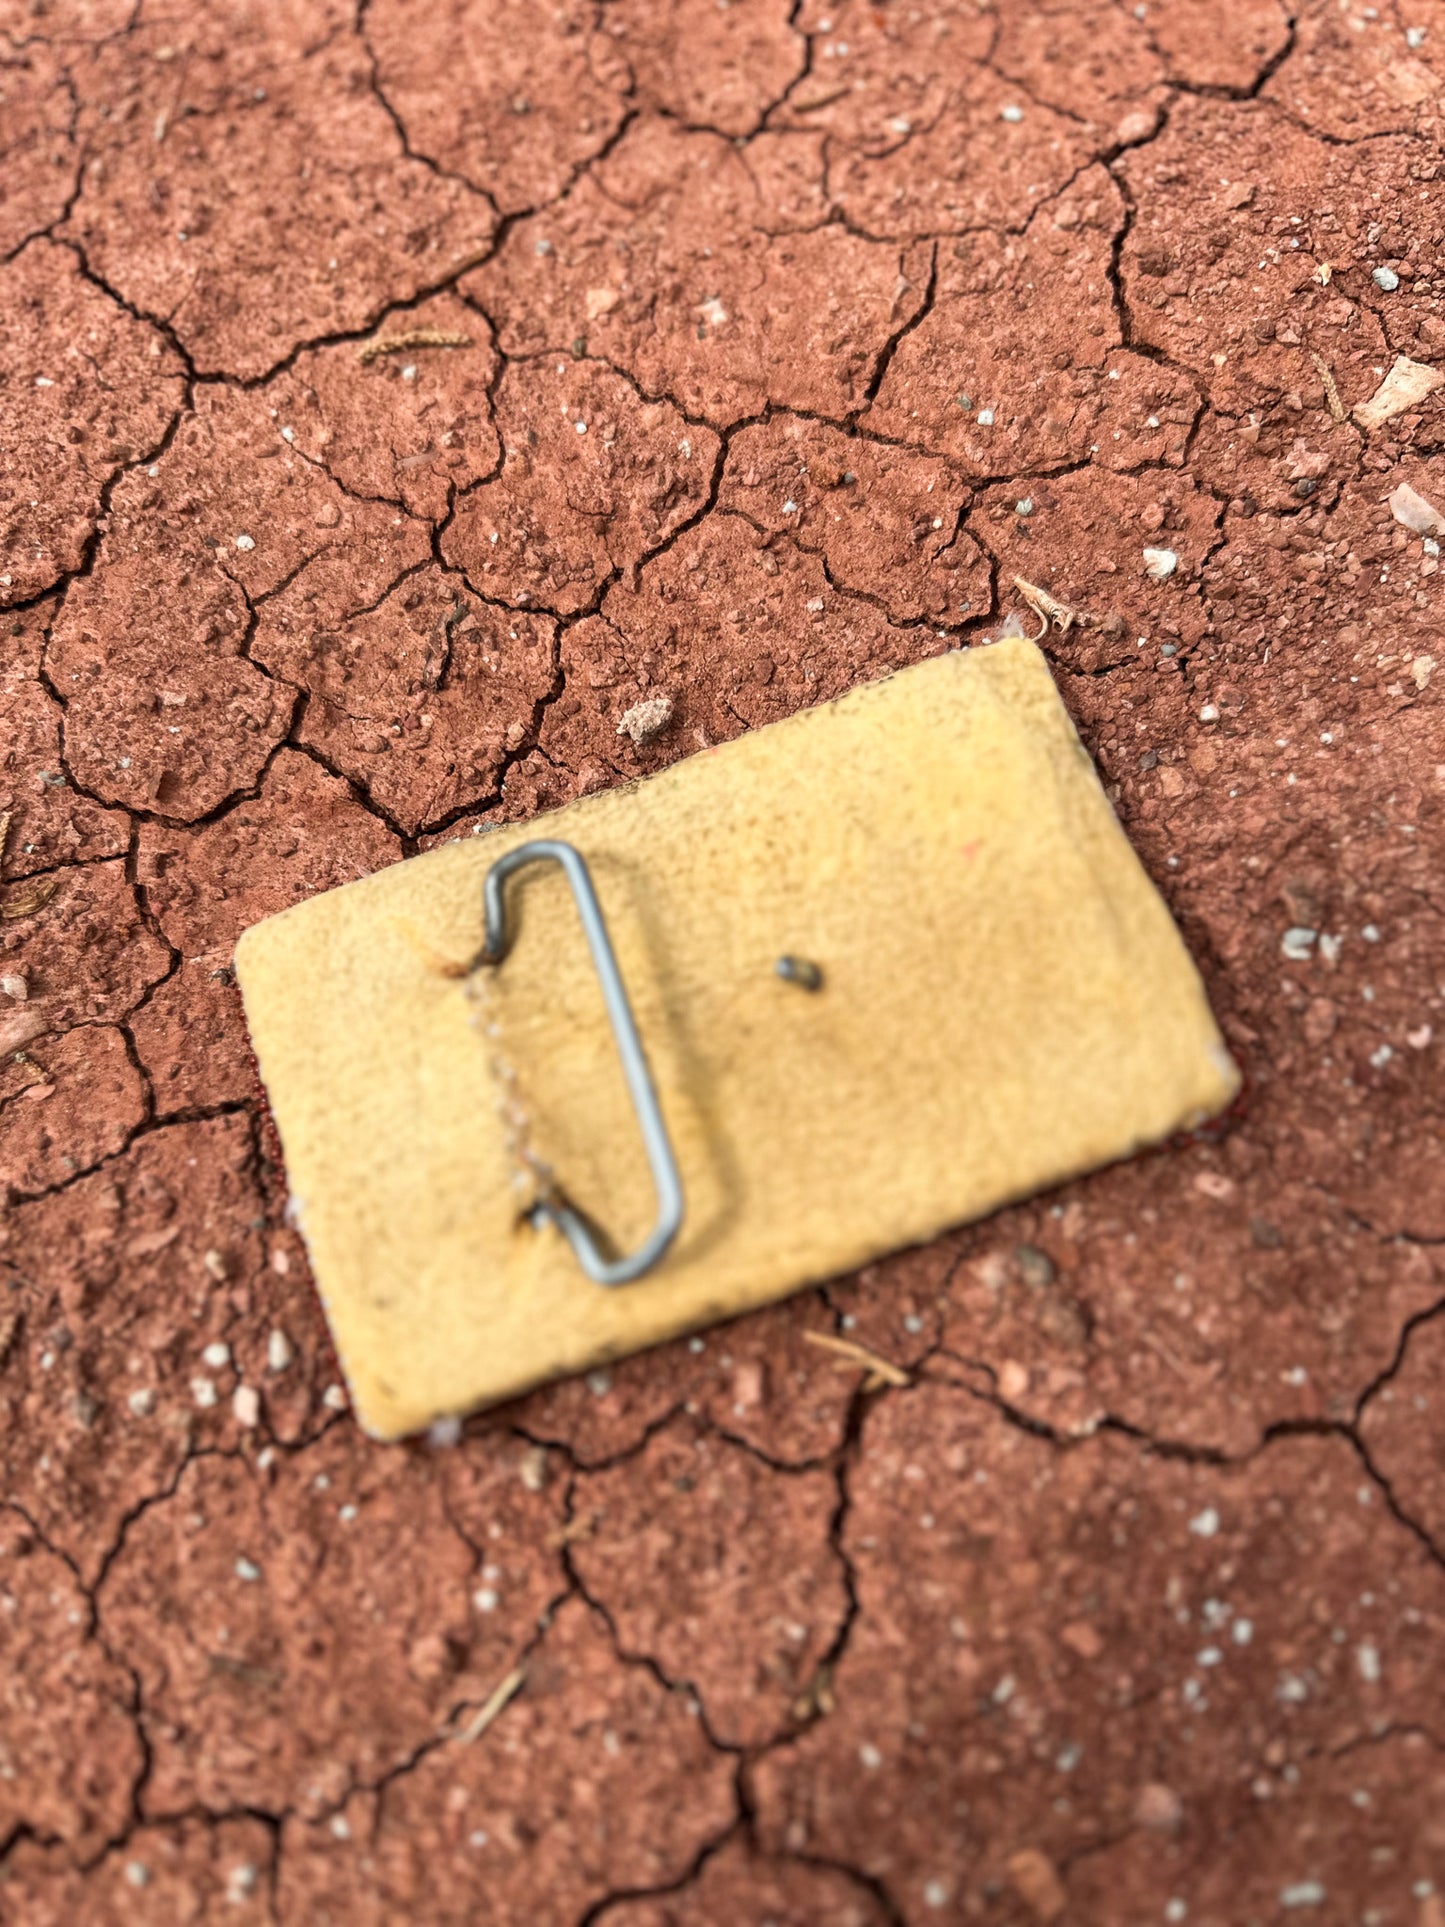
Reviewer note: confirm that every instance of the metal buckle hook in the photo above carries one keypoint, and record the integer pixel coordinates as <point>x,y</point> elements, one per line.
<point>665,1178</point>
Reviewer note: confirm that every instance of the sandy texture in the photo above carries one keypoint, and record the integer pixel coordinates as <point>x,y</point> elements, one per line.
<point>972,1648</point>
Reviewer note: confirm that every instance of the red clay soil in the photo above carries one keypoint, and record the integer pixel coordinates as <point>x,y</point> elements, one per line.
<point>734,353</point>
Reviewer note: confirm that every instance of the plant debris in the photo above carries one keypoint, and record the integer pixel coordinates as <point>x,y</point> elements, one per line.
<point>1332,390</point>
<point>496,1702</point>
<point>1051,612</point>
<point>24,901</point>
<point>853,1357</point>
<point>414,338</point>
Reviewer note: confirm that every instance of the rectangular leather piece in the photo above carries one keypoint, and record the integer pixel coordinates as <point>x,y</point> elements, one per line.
<point>1005,1003</point>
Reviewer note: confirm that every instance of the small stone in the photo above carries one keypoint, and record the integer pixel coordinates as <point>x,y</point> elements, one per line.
<point>1298,943</point>
<point>1205,1524</point>
<point>245,543</point>
<point>1412,511</point>
<point>1160,563</point>
<point>748,1387</point>
<point>1035,1879</point>
<point>217,1356</point>
<point>1035,1267</point>
<point>246,1405</point>
<point>327,516</point>
<point>241,1883</point>
<point>430,1659</point>
<point>137,1873</point>
<point>203,1391</point>
<point>1141,125</point>
<point>646,719</point>
<point>143,1402</point>
<point>534,1471</point>
<point>1158,1808</point>
<point>1386,278</point>
<point>1209,713</point>
<point>334,1398</point>
<point>1083,1638</point>
<point>1013,115</point>
<point>278,1351</point>
<point>1013,1380</point>
<point>16,988</point>
<point>443,1433</point>
<point>247,1570</point>
<point>1404,387</point>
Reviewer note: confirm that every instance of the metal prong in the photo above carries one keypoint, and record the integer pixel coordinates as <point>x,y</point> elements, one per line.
<point>800,971</point>
<point>665,1178</point>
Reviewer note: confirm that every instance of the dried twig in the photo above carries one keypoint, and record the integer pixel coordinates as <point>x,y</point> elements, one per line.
<point>1332,393</point>
<point>494,1704</point>
<point>851,1357</point>
<point>415,338</point>
<point>4,837</point>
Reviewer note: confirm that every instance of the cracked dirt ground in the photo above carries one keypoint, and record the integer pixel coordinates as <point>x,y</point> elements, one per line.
<point>777,339</point>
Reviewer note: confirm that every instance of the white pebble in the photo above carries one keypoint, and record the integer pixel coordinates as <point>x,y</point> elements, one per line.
<point>203,1391</point>
<point>1206,1523</point>
<point>1386,278</point>
<point>1160,563</point>
<point>1367,1658</point>
<point>1209,713</point>
<point>334,1398</point>
<point>248,1570</point>
<point>142,1403</point>
<point>1304,1893</point>
<point>246,1404</point>
<point>870,1756</point>
<point>1298,943</point>
<point>1013,115</point>
<point>646,719</point>
<point>217,1355</point>
<point>137,1873</point>
<point>1242,1631</point>
<point>443,1433</point>
<point>485,1599</point>
<point>985,418</point>
<point>278,1351</point>
<point>241,1883</point>
<point>245,542</point>
<point>1370,933</point>
<point>1415,37</point>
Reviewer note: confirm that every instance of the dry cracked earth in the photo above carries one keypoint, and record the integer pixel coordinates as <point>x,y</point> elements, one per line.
<point>393,398</point>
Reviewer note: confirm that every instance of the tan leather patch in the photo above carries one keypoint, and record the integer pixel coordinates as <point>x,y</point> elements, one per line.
<point>1004,1002</point>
